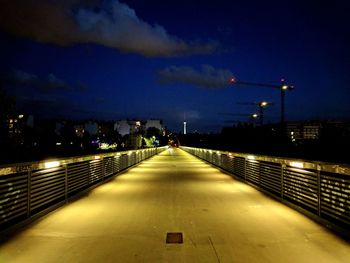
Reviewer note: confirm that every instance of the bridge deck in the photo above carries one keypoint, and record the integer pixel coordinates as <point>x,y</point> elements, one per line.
<point>222,220</point>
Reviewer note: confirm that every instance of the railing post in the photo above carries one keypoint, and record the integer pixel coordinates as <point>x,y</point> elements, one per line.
<point>29,187</point>
<point>66,182</point>
<point>245,169</point>
<point>318,190</point>
<point>259,174</point>
<point>283,167</point>
<point>103,168</point>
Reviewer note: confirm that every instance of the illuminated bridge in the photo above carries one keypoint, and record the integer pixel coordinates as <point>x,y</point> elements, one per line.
<point>174,207</point>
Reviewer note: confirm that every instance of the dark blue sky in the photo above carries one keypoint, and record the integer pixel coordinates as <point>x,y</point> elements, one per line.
<point>160,59</point>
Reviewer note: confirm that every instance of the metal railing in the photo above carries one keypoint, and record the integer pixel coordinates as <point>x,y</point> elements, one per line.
<point>28,190</point>
<point>319,189</point>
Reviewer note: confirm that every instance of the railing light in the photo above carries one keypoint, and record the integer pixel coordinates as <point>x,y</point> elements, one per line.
<point>251,157</point>
<point>51,164</point>
<point>297,164</point>
<point>97,157</point>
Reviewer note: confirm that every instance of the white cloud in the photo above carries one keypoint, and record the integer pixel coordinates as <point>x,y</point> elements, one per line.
<point>206,77</point>
<point>109,23</point>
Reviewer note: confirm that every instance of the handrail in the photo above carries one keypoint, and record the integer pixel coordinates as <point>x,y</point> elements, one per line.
<point>19,167</point>
<point>28,190</point>
<point>318,189</point>
<point>307,164</point>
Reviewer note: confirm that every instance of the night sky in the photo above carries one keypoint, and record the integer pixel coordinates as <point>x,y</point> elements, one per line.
<point>110,60</point>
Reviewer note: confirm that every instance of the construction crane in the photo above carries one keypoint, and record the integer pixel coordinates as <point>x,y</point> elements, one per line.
<point>283,87</point>
<point>261,105</point>
<point>252,116</point>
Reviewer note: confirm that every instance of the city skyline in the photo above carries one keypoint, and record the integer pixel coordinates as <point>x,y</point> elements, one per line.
<point>131,59</point>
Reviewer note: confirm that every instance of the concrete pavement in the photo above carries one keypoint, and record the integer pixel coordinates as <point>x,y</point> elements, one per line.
<point>222,220</point>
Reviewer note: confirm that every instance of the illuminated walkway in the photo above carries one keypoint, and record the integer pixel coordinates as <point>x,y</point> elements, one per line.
<point>222,220</point>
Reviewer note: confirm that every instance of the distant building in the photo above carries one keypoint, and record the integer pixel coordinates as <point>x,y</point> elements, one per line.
<point>294,132</point>
<point>125,127</point>
<point>17,123</point>
<point>154,123</point>
<point>79,130</point>
<point>302,131</point>
<point>338,125</point>
<point>312,131</point>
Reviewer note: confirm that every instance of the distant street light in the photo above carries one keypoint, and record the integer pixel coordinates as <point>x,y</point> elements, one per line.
<point>283,87</point>
<point>252,117</point>
<point>261,105</point>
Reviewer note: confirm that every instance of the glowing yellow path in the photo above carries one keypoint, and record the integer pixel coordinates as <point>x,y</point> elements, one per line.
<point>222,220</point>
